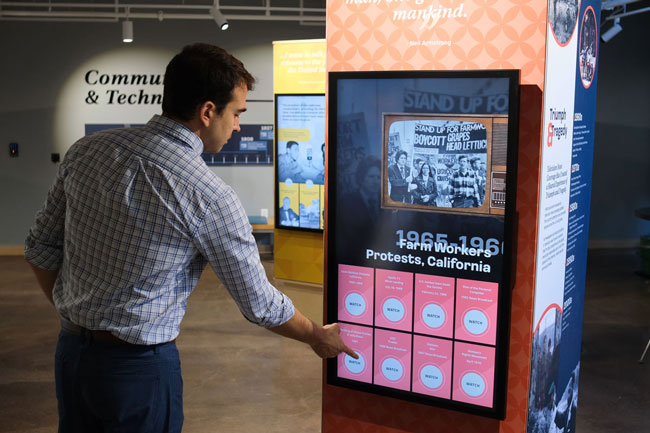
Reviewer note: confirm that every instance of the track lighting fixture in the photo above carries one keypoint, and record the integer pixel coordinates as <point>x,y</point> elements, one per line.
<point>127,31</point>
<point>219,18</point>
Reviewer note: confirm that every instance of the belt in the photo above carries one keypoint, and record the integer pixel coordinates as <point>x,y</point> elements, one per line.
<point>103,336</point>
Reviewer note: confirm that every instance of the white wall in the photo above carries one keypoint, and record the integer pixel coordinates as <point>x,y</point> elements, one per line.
<point>38,58</point>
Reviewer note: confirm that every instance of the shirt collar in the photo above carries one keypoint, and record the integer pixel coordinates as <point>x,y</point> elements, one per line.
<point>177,130</point>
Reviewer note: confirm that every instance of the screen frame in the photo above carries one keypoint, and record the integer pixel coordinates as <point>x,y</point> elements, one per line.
<point>510,222</point>
<point>276,164</point>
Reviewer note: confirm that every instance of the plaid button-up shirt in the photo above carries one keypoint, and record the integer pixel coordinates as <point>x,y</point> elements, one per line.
<point>464,185</point>
<point>132,219</point>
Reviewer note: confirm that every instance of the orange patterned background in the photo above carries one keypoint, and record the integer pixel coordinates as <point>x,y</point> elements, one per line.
<point>494,34</point>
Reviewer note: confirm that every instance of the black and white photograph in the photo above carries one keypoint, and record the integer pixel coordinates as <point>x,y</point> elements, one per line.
<point>563,15</point>
<point>434,163</point>
<point>588,46</point>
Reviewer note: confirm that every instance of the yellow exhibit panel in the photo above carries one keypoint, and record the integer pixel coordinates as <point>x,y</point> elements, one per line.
<point>299,66</point>
<point>298,256</point>
<point>299,69</point>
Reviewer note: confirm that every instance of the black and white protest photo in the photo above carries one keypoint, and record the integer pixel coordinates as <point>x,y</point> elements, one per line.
<point>434,163</point>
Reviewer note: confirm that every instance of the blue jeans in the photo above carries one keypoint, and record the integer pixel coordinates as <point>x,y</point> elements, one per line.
<point>115,388</point>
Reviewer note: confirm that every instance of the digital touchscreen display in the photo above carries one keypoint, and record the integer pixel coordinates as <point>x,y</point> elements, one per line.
<point>300,161</point>
<point>421,197</point>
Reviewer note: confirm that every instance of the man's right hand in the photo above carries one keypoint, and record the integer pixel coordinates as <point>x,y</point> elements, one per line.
<point>329,343</point>
<point>324,340</point>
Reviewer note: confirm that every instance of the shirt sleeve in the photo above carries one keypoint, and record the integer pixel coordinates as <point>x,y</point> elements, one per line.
<point>225,238</point>
<point>44,243</point>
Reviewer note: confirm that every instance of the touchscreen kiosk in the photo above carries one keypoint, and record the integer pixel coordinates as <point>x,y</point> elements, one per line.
<point>421,200</point>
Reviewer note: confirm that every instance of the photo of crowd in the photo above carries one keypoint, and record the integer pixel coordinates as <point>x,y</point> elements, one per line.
<point>436,163</point>
<point>563,15</point>
<point>588,45</point>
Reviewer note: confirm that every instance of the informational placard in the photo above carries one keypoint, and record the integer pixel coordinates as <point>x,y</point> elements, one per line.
<point>253,145</point>
<point>565,190</point>
<point>300,167</point>
<point>421,206</point>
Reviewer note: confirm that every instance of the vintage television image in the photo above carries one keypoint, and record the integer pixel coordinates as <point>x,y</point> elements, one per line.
<point>300,161</point>
<point>419,237</point>
<point>444,163</point>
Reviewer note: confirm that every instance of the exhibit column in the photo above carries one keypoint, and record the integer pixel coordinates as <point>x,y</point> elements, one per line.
<point>554,47</point>
<point>299,69</point>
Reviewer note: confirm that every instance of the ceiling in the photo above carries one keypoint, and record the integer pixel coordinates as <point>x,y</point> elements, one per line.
<point>306,12</point>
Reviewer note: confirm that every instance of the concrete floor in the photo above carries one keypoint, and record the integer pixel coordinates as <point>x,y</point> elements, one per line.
<point>240,378</point>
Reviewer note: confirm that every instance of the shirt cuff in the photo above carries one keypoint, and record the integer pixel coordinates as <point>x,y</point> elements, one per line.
<point>45,257</point>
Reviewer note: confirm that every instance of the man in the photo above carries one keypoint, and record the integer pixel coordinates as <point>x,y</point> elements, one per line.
<point>463,185</point>
<point>132,219</point>
<point>480,174</point>
<point>399,177</point>
<point>287,216</point>
<point>288,164</point>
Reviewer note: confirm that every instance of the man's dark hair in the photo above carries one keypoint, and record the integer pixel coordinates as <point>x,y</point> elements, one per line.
<point>462,157</point>
<point>400,153</point>
<point>201,73</point>
<point>291,143</point>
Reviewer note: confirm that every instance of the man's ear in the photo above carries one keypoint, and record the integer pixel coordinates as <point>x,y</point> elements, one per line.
<point>205,112</point>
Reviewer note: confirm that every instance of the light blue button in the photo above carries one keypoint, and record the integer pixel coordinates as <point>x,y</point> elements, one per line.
<point>431,376</point>
<point>473,384</point>
<point>355,304</point>
<point>393,309</point>
<point>355,366</point>
<point>392,369</point>
<point>433,315</point>
<point>476,322</point>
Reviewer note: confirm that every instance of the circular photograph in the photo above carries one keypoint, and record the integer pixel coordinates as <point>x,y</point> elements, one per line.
<point>563,15</point>
<point>588,47</point>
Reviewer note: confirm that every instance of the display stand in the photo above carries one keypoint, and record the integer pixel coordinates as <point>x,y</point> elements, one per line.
<point>298,68</point>
<point>556,121</point>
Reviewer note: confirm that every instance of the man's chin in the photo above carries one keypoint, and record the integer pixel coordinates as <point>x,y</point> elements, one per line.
<point>215,149</point>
